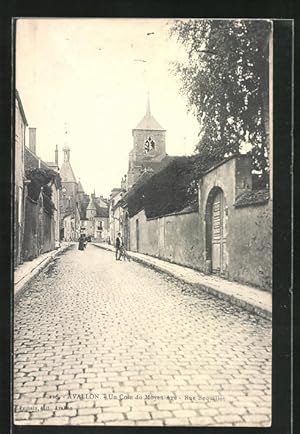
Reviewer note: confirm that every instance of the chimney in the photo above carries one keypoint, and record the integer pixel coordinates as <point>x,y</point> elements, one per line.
<point>56,155</point>
<point>32,140</point>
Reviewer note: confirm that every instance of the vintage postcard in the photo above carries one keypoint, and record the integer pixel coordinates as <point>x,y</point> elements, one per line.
<point>143,196</point>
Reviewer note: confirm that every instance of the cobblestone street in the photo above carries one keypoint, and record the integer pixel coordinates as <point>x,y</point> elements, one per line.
<point>105,342</point>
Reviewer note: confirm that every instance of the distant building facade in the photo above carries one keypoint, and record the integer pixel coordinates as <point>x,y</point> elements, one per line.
<point>71,225</point>
<point>94,217</point>
<point>115,213</point>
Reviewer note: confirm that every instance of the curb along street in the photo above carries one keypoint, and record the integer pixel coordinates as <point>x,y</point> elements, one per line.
<point>38,265</point>
<point>251,299</point>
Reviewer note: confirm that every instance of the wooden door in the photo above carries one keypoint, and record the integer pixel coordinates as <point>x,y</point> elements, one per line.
<point>217,233</point>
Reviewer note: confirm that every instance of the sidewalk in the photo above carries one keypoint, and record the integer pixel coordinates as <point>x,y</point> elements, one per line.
<point>29,269</point>
<point>253,299</point>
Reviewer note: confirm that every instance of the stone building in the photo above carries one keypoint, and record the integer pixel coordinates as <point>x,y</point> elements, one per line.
<point>149,148</point>
<point>20,181</point>
<point>147,157</point>
<point>71,225</point>
<point>94,217</point>
<point>56,194</point>
<point>42,213</point>
<point>69,200</point>
<point>115,213</point>
<point>118,209</point>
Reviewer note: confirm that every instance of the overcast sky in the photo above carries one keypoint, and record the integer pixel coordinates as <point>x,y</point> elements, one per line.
<point>86,76</point>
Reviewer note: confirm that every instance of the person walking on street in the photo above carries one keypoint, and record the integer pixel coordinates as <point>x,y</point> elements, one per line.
<point>81,242</point>
<point>119,244</point>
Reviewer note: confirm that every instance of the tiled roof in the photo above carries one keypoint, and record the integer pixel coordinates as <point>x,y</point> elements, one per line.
<point>52,165</point>
<point>101,202</point>
<point>252,197</point>
<point>149,123</point>
<point>101,212</point>
<point>32,161</point>
<point>80,188</point>
<point>92,203</point>
<point>83,203</point>
<point>66,172</point>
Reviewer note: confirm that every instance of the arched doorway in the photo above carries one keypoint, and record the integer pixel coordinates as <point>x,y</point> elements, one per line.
<point>216,231</point>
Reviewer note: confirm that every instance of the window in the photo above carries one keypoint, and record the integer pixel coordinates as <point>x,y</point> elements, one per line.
<point>149,145</point>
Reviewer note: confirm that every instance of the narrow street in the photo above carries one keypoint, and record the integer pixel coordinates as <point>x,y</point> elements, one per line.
<point>99,341</point>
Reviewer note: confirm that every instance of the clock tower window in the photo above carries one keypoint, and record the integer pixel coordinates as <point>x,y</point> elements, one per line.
<point>149,144</point>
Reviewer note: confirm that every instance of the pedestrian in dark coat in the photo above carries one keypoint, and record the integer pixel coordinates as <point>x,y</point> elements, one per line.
<point>119,244</point>
<point>81,243</point>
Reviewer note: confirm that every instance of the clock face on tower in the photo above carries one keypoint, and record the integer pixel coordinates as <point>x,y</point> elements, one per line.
<point>149,145</point>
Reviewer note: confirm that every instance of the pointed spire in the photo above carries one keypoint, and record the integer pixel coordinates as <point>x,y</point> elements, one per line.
<point>91,204</point>
<point>148,111</point>
<point>80,188</point>
<point>149,122</point>
<point>66,148</point>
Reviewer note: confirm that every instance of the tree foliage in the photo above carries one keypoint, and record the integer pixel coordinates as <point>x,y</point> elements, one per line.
<point>177,184</point>
<point>225,79</point>
<point>41,180</point>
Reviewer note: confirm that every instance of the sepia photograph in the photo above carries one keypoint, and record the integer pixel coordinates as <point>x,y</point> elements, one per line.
<point>142,223</point>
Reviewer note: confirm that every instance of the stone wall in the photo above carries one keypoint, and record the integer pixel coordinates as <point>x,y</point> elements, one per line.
<point>175,238</point>
<point>250,246</point>
<point>39,233</point>
<point>182,238</point>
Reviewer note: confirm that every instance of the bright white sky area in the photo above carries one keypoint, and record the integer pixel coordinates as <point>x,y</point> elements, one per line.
<point>86,76</point>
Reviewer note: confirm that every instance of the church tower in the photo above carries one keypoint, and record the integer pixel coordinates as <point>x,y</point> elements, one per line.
<point>69,194</point>
<point>149,146</point>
